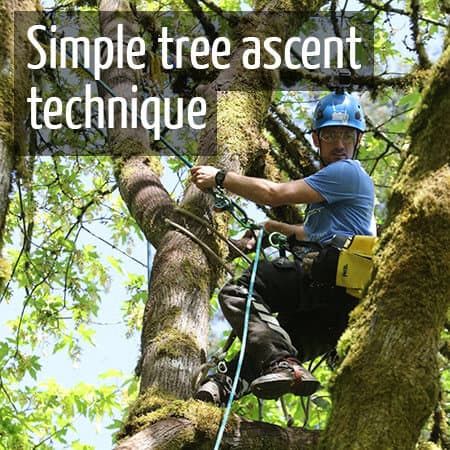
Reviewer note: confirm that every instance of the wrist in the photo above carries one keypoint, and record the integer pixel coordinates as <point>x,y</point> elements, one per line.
<point>268,226</point>
<point>220,177</point>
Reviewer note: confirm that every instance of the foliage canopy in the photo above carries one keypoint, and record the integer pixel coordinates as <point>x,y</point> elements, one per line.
<point>70,241</point>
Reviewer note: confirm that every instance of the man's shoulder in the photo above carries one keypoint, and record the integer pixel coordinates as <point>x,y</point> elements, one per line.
<point>348,174</point>
<point>346,163</point>
<point>347,167</point>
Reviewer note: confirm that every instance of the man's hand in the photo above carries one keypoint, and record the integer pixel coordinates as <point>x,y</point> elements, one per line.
<point>273,226</point>
<point>252,236</point>
<point>204,177</point>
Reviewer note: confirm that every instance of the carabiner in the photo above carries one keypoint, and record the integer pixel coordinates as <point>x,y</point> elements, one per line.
<point>277,240</point>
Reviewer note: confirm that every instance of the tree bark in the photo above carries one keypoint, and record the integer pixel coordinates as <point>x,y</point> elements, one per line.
<point>6,116</point>
<point>388,385</point>
<point>181,433</point>
<point>176,315</point>
<point>14,87</point>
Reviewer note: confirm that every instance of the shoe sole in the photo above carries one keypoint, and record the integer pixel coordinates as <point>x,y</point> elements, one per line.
<point>205,397</point>
<point>209,393</point>
<point>273,386</point>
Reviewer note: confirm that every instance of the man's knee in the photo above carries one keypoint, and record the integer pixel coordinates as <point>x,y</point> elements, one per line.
<point>231,296</point>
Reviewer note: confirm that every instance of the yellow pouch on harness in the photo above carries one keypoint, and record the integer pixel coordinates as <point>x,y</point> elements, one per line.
<point>355,264</point>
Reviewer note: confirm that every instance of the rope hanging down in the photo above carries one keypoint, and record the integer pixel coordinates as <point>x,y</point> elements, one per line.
<point>243,340</point>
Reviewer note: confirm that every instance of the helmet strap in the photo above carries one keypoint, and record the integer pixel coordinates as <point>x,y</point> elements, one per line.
<point>320,155</point>
<point>356,149</point>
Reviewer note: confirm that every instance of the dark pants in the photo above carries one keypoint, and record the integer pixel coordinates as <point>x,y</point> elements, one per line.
<point>309,322</point>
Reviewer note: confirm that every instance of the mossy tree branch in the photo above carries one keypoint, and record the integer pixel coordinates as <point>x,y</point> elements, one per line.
<point>160,421</point>
<point>372,82</point>
<point>180,433</point>
<point>388,383</point>
<point>422,55</point>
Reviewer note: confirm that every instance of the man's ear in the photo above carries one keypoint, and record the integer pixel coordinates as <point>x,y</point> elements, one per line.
<point>360,135</point>
<point>315,138</point>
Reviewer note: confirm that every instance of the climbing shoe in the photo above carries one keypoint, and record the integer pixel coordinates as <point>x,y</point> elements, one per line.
<point>284,376</point>
<point>217,388</point>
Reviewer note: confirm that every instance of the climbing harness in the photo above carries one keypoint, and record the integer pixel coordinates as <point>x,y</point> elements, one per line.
<point>344,261</point>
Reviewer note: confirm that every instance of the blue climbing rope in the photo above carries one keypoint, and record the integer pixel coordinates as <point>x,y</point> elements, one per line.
<point>243,340</point>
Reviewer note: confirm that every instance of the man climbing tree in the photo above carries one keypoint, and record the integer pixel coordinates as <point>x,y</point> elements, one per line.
<point>312,313</point>
<point>388,383</point>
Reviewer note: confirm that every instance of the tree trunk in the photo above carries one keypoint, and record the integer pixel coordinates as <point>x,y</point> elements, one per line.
<point>174,337</point>
<point>6,109</point>
<point>14,88</point>
<point>233,135</point>
<point>387,385</point>
<point>176,317</point>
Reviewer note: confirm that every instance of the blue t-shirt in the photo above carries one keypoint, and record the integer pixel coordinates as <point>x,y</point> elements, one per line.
<point>349,201</point>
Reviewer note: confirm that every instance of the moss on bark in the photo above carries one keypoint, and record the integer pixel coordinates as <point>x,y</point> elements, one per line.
<point>15,51</point>
<point>154,405</point>
<point>388,383</point>
<point>172,343</point>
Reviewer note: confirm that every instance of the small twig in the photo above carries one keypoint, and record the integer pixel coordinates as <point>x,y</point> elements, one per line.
<point>205,247</point>
<point>230,17</point>
<point>424,61</point>
<point>112,246</point>
<point>2,387</point>
<point>207,25</point>
<point>377,133</point>
<point>305,408</point>
<point>287,416</point>
<point>385,7</point>
<point>221,236</point>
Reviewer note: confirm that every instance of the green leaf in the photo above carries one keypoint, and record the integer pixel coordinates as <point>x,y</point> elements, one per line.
<point>110,373</point>
<point>115,263</point>
<point>320,401</point>
<point>410,100</point>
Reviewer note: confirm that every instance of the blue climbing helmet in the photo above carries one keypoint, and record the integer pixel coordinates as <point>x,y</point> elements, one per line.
<point>339,109</point>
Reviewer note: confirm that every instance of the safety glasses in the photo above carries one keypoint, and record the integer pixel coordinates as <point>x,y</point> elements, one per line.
<point>333,135</point>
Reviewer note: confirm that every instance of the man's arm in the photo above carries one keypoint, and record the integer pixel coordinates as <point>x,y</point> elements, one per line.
<point>258,190</point>
<point>272,226</point>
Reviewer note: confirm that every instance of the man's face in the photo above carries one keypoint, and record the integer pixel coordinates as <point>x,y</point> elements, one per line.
<point>336,143</point>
